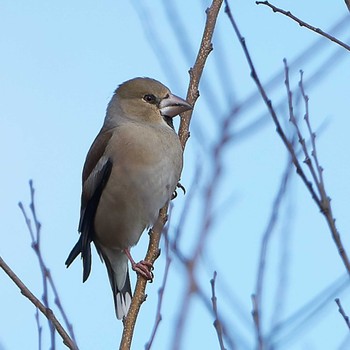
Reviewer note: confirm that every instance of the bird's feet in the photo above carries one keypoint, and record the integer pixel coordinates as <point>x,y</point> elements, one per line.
<point>143,268</point>
<point>179,185</point>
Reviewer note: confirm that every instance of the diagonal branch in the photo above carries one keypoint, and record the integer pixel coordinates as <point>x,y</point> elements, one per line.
<point>304,24</point>
<point>161,290</point>
<point>342,312</point>
<point>35,234</point>
<point>347,3</point>
<point>37,303</point>
<point>196,71</point>
<point>323,203</point>
<point>270,107</point>
<point>274,216</point>
<point>139,294</point>
<point>155,234</point>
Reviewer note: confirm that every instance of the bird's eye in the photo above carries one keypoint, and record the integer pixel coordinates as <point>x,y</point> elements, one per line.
<point>150,99</point>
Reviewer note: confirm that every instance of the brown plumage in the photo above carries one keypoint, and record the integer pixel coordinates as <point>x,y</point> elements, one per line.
<point>130,173</point>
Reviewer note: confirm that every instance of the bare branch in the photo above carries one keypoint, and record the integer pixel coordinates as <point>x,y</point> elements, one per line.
<point>304,24</point>
<point>39,327</point>
<point>324,202</point>
<point>257,323</point>
<point>192,95</point>
<point>319,170</point>
<point>161,290</point>
<point>347,3</point>
<point>217,322</point>
<point>36,235</point>
<point>139,294</point>
<point>342,312</point>
<point>37,303</point>
<point>305,316</point>
<point>47,279</point>
<point>196,71</point>
<point>269,105</point>
<point>257,299</point>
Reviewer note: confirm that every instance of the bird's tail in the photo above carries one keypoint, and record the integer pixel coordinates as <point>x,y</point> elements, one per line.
<point>83,247</point>
<point>117,267</point>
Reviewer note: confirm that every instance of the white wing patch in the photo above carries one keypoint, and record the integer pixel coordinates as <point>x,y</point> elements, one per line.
<point>94,178</point>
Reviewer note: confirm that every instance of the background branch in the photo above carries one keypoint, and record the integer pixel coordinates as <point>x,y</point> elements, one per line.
<point>304,24</point>
<point>161,290</point>
<point>233,170</point>
<point>324,202</point>
<point>217,322</point>
<point>196,71</point>
<point>47,280</point>
<point>192,95</point>
<point>342,312</point>
<point>37,303</point>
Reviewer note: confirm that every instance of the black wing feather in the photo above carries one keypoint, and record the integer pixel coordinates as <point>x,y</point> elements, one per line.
<point>86,226</point>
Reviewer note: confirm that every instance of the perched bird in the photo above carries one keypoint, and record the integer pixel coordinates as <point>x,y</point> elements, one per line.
<point>130,173</point>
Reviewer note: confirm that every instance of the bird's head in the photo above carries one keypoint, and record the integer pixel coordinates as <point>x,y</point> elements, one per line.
<point>146,99</point>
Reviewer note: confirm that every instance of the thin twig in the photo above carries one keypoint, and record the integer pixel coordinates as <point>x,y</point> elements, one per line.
<point>306,316</point>
<point>207,223</point>
<point>347,3</point>
<point>161,290</point>
<point>325,201</point>
<point>192,288</point>
<point>311,133</point>
<point>308,55</point>
<point>284,252</point>
<point>202,295</point>
<point>293,120</point>
<point>46,274</point>
<point>192,95</point>
<point>38,304</point>
<point>59,305</point>
<point>319,170</point>
<point>268,103</point>
<point>35,235</point>
<point>193,188</point>
<point>257,301</point>
<point>183,40</point>
<point>217,321</point>
<point>204,231</point>
<point>324,204</point>
<point>304,24</point>
<point>39,327</point>
<point>196,71</point>
<point>257,323</point>
<point>139,293</point>
<point>342,312</point>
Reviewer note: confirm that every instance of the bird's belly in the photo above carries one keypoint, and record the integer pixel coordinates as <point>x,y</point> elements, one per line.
<point>131,202</point>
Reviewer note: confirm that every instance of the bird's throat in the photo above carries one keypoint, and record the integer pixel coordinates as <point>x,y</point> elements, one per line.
<point>169,121</point>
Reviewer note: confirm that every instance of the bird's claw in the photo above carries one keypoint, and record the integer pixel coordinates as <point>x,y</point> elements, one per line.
<point>178,186</point>
<point>144,269</point>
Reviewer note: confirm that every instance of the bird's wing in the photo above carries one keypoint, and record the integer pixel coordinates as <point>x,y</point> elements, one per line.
<point>96,172</point>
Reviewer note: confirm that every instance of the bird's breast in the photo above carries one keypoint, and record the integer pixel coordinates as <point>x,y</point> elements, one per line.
<point>146,168</point>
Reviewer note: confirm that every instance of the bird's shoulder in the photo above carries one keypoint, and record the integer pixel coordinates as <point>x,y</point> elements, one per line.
<point>96,151</point>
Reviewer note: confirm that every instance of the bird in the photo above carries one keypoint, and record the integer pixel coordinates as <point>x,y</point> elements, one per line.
<point>131,171</point>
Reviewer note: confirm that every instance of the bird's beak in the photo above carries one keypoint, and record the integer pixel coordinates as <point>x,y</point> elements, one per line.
<point>172,105</point>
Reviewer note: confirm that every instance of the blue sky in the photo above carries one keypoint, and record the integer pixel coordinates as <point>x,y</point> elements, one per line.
<point>60,63</point>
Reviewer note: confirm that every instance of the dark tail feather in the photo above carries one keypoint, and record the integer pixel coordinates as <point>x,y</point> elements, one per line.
<point>85,250</point>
